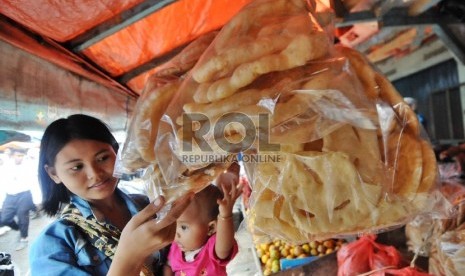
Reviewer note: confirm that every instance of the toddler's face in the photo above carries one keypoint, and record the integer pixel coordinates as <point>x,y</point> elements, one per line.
<point>191,229</point>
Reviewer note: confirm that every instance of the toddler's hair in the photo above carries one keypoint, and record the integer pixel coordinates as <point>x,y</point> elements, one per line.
<point>206,201</point>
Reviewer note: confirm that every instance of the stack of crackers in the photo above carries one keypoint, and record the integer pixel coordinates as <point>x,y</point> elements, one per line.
<point>351,157</point>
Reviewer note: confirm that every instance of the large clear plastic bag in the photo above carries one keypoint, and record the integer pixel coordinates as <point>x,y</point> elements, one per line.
<point>448,253</point>
<point>329,144</point>
<point>215,112</point>
<point>138,150</point>
<point>138,153</point>
<point>341,151</point>
<point>426,228</point>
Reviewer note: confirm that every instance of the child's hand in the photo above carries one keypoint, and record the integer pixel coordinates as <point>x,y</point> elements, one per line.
<point>228,182</point>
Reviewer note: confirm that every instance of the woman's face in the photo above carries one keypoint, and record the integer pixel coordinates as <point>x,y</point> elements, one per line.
<point>85,167</point>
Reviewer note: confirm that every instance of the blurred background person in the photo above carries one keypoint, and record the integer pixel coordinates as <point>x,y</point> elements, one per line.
<point>412,102</point>
<point>3,157</point>
<point>18,200</point>
<point>456,153</point>
<point>30,164</point>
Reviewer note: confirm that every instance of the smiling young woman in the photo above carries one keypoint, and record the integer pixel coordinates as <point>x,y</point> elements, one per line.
<point>99,230</point>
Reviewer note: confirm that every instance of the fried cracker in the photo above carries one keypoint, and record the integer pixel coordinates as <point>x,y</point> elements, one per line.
<point>361,145</point>
<point>404,159</point>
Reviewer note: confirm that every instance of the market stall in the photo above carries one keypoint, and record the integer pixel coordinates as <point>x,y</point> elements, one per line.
<point>332,153</point>
<point>330,147</point>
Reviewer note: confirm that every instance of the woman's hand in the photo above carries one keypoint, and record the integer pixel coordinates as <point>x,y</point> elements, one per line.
<point>144,235</point>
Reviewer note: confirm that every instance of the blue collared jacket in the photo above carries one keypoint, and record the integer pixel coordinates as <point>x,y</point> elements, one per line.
<point>61,249</point>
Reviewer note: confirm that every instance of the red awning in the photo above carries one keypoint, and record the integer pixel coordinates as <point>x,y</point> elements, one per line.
<point>126,39</point>
<point>116,53</point>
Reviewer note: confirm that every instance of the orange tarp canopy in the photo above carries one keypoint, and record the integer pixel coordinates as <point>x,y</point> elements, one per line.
<point>148,38</point>
<point>63,20</point>
<point>161,32</point>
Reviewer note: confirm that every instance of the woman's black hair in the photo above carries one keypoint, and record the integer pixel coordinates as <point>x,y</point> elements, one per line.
<point>56,136</point>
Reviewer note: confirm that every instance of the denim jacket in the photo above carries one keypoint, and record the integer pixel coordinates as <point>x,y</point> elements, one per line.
<point>61,249</point>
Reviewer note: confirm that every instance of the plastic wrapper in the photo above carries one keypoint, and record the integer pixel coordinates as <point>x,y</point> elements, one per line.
<point>418,233</point>
<point>424,229</point>
<point>447,256</point>
<point>366,255</point>
<point>448,253</point>
<point>406,271</point>
<point>138,151</point>
<point>329,145</point>
<point>195,139</point>
<point>343,153</point>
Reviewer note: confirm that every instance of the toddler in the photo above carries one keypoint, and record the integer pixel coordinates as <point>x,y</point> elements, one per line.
<point>204,243</point>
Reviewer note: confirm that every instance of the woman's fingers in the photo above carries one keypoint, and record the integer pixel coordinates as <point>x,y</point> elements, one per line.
<point>170,231</point>
<point>160,237</point>
<point>147,213</point>
<point>179,206</point>
<point>175,211</point>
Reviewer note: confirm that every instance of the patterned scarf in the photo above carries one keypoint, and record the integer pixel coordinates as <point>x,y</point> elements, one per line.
<point>103,236</point>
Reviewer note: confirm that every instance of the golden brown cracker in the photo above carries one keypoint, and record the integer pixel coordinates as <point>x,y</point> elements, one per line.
<point>298,131</point>
<point>363,70</point>
<point>192,181</point>
<point>404,160</point>
<point>297,104</point>
<point>302,48</point>
<point>187,58</point>
<point>361,145</point>
<point>405,115</point>
<point>429,175</point>
<point>241,23</point>
<point>315,145</point>
<point>304,191</point>
<point>148,116</point>
<point>223,64</point>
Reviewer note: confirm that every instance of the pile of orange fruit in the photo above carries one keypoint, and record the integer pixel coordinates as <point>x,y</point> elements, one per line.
<point>270,253</point>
